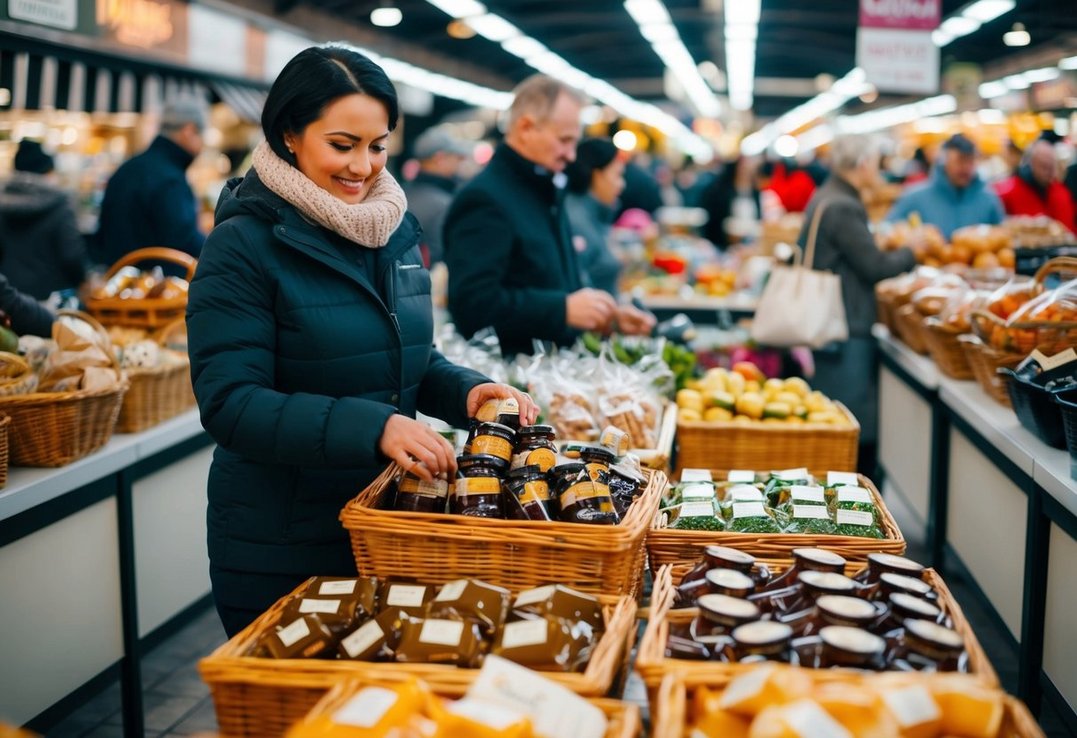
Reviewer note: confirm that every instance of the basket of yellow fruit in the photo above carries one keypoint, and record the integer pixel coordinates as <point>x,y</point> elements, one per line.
<point>739,419</point>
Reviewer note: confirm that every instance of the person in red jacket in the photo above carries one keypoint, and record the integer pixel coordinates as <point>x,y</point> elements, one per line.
<point>1035,189</point>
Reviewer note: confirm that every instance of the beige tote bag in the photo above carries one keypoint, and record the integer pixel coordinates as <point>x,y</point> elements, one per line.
<point>801,306</point>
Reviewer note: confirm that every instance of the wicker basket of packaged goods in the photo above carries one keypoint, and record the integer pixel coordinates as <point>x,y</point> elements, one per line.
<point>894,293</point>
<point>683,548</point>
<point>785,701</point>
<point>944,346</point>
<point>259,696</point>
<point>985,362</point>
<point>160,379</point>
<point>140,299</point>
<point>602,559</point>
<point>347,701</point>
<point>653,663</point>
<point>74,407</point>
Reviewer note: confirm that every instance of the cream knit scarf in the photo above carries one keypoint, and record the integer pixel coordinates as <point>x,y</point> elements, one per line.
<point>369,223</point>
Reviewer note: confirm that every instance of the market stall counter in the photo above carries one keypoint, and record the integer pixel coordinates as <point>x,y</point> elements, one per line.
<point>99,560</point>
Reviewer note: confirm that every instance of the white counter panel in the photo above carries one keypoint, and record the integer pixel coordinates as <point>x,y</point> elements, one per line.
<point>905,441</point>
<point>1059,643</point>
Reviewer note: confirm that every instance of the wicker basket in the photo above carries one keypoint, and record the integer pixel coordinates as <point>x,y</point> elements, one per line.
<point>985,362</point>
<point>601,559</point>
<point>1023,338</point>
<point>946,350</point>
<point>724,446</point>
<point>885,310</point>
<point>670,713</point>
<point>158,393</point>
<point>16,376</point>
<point>653,665</point>
<point>263,697</point>
<point>624,718</point>
<point>55,428</point>
<point>145,312</point>
<point>910,327</point>
<point>5,424</point>
<point>683,549</point>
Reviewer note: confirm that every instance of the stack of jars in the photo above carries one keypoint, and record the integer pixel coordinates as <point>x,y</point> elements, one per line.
<point>886,617</point>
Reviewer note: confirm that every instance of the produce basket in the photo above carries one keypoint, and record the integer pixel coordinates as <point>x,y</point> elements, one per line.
<point>624,718</point>
<point>600,559</point>
<point>16,376</point>
<point>147,312</point>
<point>1025,336</point>
<point>158,393</point>
<point>262,697</point>
<point>653,665</point>
<point>55,428</point>
<point>985,362</point>
<point>910,328</point>
<point>1036,409</point>
<point>683,549</point>
<point>945,348</point>
<point>722,446</point>
<point>672,709</point>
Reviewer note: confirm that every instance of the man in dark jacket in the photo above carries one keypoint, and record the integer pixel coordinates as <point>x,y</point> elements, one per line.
<point>148,201</point>
<point>430,193</point>
<point>507,240</point>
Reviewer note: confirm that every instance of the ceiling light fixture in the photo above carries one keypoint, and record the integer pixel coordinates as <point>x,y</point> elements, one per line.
<point>1017,36</point>
<point>786,146</point>
<point>386,17</point>
<point>941,38</point>
<point>1070,62</point>
<point>986,11</point>
<point>459,8</point>
<point>524,47</point>
<point>741,32</point>
<point>959,25</point>
<point>625,140</point>
<point>969,20</point>
<point>1042,75</point>
<point>883,118</point>
<point>493,27</point>
<point>991,90</point>
<point>1016,82</point>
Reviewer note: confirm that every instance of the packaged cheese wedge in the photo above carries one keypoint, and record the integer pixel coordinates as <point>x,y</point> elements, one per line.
<point>720,724</point>
<point>471,718</point>
<point>858,710</point>
<point>969,710</point>
<point>752,692</point>
<point>800,719</point>
<point>914,709</point>
<point>374,712</point>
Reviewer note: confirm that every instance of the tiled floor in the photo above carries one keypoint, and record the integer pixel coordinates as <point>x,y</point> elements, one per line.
<point>177,703</point>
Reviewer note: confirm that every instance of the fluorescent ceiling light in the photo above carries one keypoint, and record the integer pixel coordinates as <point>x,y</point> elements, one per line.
<point>990,116</point>
<point>493,27</point>
<point>786,146</point>
<point>1016,82</point>
<point>459,8</point>
<point>386,17</point>
<point>1041,75</point>
<point>741,12</point>
<point>647,12</point>
<point>990,90</point>
<point>1017,37</point>
<point>524,47</point>
<point>625,140</point>
<point>959,25</point>
<point>985,11</point>
<point>657,33</point>
<point>741,33</point>
<point>941,38</point>
<point>1070,62</point>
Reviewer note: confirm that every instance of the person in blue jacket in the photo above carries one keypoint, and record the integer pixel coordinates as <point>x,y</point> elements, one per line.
<point>310,331</point>
<point>954,195</point>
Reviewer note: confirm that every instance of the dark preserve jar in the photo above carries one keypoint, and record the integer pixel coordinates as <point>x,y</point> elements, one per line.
<point>808,559</point>
<point>841,611</point>
<point>884,563</point>
<point>852,648</point>
<point>719,615</point>
<point>582,498</point>
<point>493,439</point>
<point>528,496</point>
<point>891,583</point>
<point>723,557</point>
<point>930,647</point>
<point>762,641</point>
<point>477,492</point>
<point>626,483</point>
<point>534,447</point>
<point>418,495</point>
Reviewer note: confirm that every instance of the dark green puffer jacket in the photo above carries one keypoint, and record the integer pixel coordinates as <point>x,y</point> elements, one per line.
<point>302,345</point>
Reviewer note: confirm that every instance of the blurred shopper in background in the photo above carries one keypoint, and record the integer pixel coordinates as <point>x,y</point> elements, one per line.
<point>954,195</point>
<point>27,315</point>
<point>148,201</point>
<point>41,248</point>
<point>733,194</point>
<point>507,241</point>
<point>1035,189</point>
<point>792,183</point>
<point>642,191</point>
<point>440,156</point>
<point>845,246</point>
<point>595,182</point>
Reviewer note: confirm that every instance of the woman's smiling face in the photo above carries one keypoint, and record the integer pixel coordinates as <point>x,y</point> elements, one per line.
<point>345,149</point>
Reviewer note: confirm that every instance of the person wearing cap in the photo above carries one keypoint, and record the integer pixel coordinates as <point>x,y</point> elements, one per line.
<point>148,201</point>
<point>954,195</point>
<point>41,248</point>
<point>429,195</point>
<point>1035,189</point>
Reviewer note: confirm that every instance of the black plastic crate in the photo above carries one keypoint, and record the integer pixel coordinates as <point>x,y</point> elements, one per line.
<point>1067,402</point>
<point>1037,409</point>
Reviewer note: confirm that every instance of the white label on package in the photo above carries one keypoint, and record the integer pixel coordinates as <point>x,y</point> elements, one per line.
<point>855,494</point>
<point>806,719</point>
<point>330,607</point>
<point>697,492</point>
<point>745,687</point>
<point>911,706</point>
<point>366,709</point>
<point>834,479</point>
<point>451,591</point>
<point>792,475</point>
<point>294,633</point>
<point>802,493</point>
<point>531,596</point>
<point>741,475</point>
<point>854,517</point>
<point>696,475</point>
<point>442,632</point>
<point>493,716</point>
<point>696,510</point>
<point>744,493</point>
<point>748,510</point>
<point>405,595</point>
<point>815,512</point>
<point>524,633</point>
<point>343,587</point>
<point>362,639</point>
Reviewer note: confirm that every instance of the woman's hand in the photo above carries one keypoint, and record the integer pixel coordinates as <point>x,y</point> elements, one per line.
<point>480,393</point>
<point>418,448</point>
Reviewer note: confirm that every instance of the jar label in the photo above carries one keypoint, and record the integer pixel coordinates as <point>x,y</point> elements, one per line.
<point>329,607</point>
<point>452,591</point>
<point>524,633</point>
<point>366,709</point>
<point>855,494</point>
<point>744,493</point>
<point>442,632</point>
<point>294,633</point>
<point>696,510</point>
<point>812,512</point>
<point>477,486</point>
<point>531,596</point>
<point>584,491</point>
<point>362,639</point>
<point>855,517</point>
<point>406,595</point>
<point>599,473</point>
<point>792,475</point>
<point>834,479</point>
<point>696,475</point>
<point>439,488</point>
<point>802,493</point>
<point>493,446</point>
<point>343,587</point>
<point>748,510</point>
<point>536,491</point>
<point>544,458</point>
<point>745,476</point>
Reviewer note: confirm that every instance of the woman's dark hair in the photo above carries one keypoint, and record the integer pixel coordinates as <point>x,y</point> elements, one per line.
<point>592,154</point>
<point>313,79</point>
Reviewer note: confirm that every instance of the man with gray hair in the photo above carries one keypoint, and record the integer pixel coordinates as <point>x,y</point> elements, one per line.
<point>507,242</point>
<point>148,201</point>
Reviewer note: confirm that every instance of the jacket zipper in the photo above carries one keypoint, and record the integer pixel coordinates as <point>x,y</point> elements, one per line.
<point>395,269</point>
